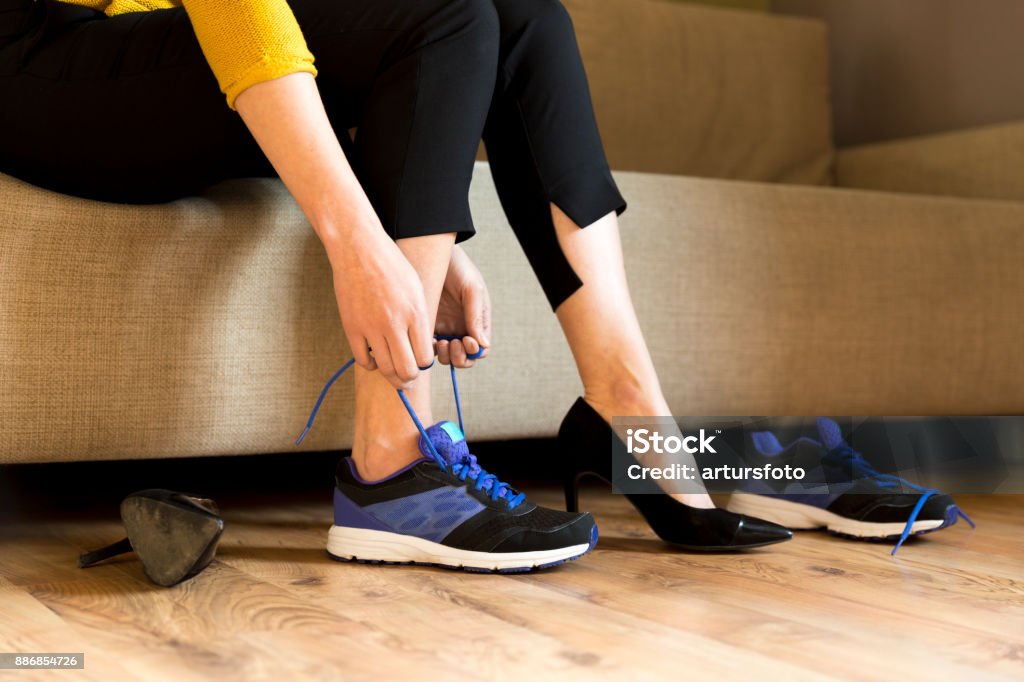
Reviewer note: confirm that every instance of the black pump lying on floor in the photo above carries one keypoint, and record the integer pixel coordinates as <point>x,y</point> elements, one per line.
<point>174,535</point>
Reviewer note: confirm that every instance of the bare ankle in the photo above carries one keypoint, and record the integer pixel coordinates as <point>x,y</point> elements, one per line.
<point>379,459</point>
<point>627,395</point>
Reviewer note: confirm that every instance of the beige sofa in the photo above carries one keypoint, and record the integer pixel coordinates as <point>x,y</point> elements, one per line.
<point>207,326</point>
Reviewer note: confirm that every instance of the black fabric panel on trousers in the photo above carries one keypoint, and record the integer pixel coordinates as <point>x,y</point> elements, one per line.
<point>542,138</point>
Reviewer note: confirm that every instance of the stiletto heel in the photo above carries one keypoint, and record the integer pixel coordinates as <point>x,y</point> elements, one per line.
<point>572,495</point>
<point>585,438</point>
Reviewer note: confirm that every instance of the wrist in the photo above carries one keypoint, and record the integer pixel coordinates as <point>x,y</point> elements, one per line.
<point>345,239</point>
<point>341,214</point>
<point>333,235</point>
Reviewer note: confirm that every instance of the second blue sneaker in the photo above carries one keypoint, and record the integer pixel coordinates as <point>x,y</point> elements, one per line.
<point>841,492</point>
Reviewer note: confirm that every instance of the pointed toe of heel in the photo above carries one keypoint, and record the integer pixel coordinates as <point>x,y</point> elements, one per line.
<point>753,532</point>
<point>711,530</point>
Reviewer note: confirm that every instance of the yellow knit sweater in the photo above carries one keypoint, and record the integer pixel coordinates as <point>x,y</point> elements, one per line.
<point>244,41</point>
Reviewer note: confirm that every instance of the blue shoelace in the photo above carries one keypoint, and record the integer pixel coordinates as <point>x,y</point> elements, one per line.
<point>862,469</point>
<point>467,467</point>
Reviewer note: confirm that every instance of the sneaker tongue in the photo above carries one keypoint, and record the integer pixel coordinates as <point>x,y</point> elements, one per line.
<point>448,441</point>
<point>451,445</point>
<point>830,433</point>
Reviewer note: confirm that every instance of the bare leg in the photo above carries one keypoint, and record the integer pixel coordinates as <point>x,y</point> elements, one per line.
<point>385,438</point>
<point>601,327</point>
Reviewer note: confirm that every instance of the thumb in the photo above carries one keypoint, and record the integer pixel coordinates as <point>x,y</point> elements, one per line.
<point>477,310</point>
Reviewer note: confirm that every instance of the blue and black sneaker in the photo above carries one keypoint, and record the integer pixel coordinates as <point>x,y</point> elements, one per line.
<point>841,492</point>
<point>445,510</point>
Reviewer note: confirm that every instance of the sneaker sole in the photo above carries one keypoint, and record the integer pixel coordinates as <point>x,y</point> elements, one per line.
<point>380,547</point>
<point>805,517</point>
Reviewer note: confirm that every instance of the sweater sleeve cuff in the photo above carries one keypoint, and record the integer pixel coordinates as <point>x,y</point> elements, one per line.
<point>267,68</point>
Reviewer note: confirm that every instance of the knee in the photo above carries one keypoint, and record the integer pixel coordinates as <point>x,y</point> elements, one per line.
<point>539,19</point>
<point>546,12</point>
<point>481,19</point>
<point>484,32</point>
<point>471,25</point>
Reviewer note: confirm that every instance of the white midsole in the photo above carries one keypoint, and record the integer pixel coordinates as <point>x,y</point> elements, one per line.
<point>804,516</point>
<point>377,545</point>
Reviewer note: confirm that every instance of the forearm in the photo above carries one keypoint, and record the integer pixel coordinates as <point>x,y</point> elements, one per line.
<point>380,297</point>
<point>287,118</point>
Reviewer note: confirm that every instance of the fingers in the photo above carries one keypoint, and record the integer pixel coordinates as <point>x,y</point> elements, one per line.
<point>395,360</point>
<point>402,359</point>
<point>382,357</point>
<point>477,308</point>
<point>457,351</point>
<point>443,355</point>
<point>361,353</point>
<point>472,347</point>
<point>401,352</point>
<point>422,342</point>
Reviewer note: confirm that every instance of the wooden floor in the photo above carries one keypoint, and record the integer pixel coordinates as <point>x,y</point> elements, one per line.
<point>272,606</point>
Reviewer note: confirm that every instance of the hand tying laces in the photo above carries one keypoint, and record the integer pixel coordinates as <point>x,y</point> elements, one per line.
<point>466,466</point>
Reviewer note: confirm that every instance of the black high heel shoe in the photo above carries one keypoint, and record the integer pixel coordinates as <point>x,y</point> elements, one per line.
<point>585,437</point>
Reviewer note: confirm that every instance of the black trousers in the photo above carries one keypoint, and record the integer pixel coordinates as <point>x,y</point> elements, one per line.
<point>126,109</point>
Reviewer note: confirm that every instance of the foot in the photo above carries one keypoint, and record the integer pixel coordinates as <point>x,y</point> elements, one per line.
<point>586,438</point>
<point>627,403</point>
<point>445,510</point>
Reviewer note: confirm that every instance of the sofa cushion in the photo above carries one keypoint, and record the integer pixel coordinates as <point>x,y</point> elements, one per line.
<point>985,162</point>
<point>692,90</point>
